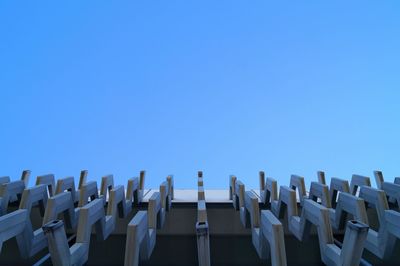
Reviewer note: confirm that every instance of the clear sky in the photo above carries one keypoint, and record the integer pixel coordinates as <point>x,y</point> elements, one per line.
<point>172,87</point>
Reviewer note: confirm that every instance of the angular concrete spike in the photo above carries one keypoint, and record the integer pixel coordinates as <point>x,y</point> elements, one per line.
<point>232,180</point>
<point>381,242</point>
<point>141,233</point>
<point>320,191</point>
<point>67,184</point>
<point>317,215</point>
<point>253,215</point>
<point>88,190</point>
<point>30,242</point>
<point>107,183</point>
<point>90,214</point>
<point>348,204</point>
<point>287,200</point>
<point>321,177</point>
<point>61,203</point>
<point>357,181</point>
<point>12,225</point>
<point>272,232</point>
<point>154,212</point>
<point>36,194</point>
<point>137,235</point>
<point>297,182</point>
<point>8,191</point>
<point>58,243</point>
<point>337,185</point>
<point>115,207</point>
<point>49,181</point>
<point>354,238</point>
<point>252,209</point>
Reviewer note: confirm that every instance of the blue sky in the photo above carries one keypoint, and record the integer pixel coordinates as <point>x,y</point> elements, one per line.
<point>228,87</point>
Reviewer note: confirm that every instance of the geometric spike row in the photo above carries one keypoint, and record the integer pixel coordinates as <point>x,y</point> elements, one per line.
<point>87,206</point>
<point>81,209</point>
<point>331,205</point>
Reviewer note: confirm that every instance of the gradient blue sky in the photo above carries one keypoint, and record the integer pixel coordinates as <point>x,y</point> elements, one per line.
<point>229,87</point>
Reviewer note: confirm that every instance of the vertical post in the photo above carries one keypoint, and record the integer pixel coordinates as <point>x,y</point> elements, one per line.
<point>58,243</point>
<point>25,177</point>
<point>321,177</point>
<point>82,178</point>
<point>262,180</point>
<point>232,180</point>
<point>353,243</point>
<point>262,185</point>
<point>203,244</point>
<point>141,180</point>
<point>379,179</point>
<point>170,180</point>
